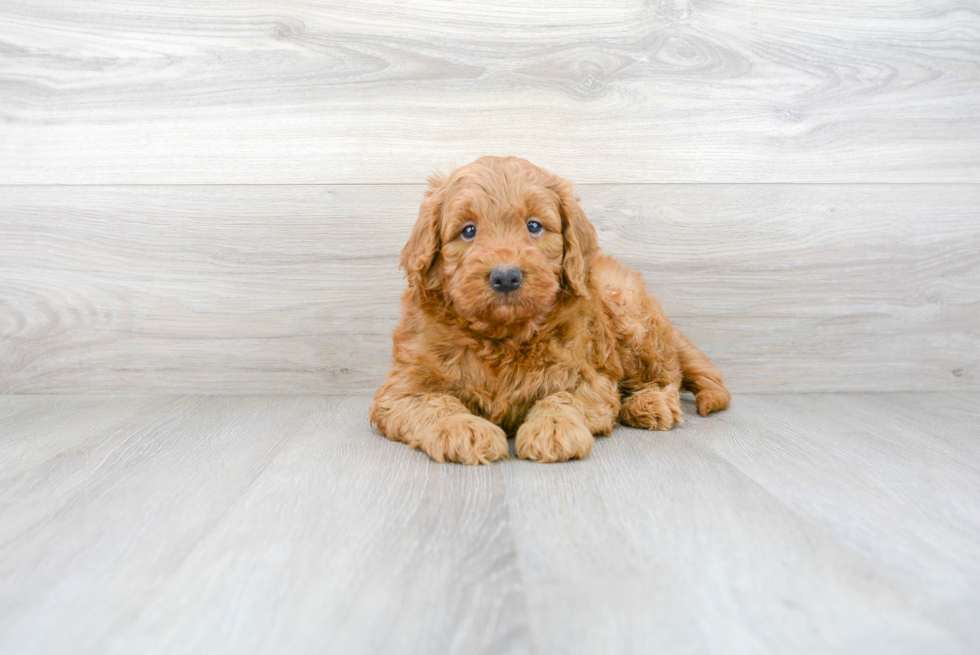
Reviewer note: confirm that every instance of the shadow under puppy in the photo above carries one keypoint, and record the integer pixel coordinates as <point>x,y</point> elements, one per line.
<point>514,322</point>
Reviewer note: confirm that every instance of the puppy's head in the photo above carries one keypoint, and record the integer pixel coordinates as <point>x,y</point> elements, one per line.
<point>501,241</point>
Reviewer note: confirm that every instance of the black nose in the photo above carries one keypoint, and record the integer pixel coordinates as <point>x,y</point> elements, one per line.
<point>506,278</point>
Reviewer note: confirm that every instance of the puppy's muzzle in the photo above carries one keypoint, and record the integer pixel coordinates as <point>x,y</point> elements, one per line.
<point>506,278</point>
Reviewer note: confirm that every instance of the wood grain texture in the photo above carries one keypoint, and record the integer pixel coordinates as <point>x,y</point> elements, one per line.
<point>294,289</point>
<point>374,92</point>
<point>252,524</point>
<point>801,524</point>
<point>791,523</point>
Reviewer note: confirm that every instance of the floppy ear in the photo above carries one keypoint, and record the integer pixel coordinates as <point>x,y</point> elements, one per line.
<point>419,254</point>
<point>581,243</point>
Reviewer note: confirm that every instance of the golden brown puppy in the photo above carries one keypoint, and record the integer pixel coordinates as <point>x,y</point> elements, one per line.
<point>514,322</point>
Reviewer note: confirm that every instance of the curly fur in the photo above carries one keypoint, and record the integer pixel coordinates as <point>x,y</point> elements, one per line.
<point>578,345</point>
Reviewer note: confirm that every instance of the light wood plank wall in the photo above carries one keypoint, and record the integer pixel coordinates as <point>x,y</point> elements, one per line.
<point>211,197</point>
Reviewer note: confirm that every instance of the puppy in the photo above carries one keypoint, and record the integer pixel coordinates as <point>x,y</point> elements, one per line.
<point>514,323</point>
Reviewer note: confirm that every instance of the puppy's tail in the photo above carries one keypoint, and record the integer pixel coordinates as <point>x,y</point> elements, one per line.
<point>701,377</point>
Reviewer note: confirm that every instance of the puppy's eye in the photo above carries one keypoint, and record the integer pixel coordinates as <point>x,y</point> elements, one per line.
<point>468,233</point>
<point>534,227</point>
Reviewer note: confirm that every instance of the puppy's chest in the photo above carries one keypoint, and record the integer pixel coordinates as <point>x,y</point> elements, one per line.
<point>502,386</point>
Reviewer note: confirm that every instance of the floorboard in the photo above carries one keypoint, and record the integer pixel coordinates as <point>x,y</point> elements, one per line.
<point>294,289</point>
<point>360,91</point>
<point>258,524</point>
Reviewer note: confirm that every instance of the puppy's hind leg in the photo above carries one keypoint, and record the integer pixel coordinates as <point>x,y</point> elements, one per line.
<point>653,407</point>
<point>701,377</point>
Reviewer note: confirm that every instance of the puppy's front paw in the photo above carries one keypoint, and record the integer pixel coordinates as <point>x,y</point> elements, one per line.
<point>466,439</point>
<point>556,435</point>
<point>654,408</point>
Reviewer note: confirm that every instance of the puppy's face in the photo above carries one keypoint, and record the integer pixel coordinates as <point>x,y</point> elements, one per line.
<point>501,240</point>
<point>500,261</point>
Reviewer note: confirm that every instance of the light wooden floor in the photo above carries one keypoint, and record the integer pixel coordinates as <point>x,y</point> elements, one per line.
<point>284,524</point>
